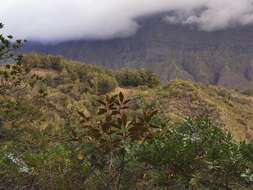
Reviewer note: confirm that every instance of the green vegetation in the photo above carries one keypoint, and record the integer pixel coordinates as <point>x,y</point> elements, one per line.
<point>70,76</point>
<point>113,147</point>
<point>65,125</point>
<point>134,78</point>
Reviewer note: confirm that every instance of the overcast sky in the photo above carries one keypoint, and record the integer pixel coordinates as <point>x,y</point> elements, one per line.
<point>59,20</point>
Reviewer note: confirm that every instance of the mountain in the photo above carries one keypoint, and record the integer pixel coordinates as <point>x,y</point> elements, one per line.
<point>172,51</point>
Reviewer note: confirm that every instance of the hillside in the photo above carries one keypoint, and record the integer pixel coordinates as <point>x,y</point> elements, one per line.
<point>180,99</point>
<point>76,126</point>
<point>172,51</point>
<point>70,86</point>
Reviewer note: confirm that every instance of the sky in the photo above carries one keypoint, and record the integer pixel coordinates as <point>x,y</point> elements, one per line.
<point>62,20</point>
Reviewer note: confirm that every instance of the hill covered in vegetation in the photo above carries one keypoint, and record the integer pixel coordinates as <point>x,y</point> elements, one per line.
<point>172,51</point>
<point>67,125</point>
<point>68,84</point>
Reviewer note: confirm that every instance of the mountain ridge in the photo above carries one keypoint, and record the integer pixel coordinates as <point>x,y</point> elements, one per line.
<point>172,51</point>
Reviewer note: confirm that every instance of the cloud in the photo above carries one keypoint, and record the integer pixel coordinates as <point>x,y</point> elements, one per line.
<point>59,20</point>
<point>216,15</point>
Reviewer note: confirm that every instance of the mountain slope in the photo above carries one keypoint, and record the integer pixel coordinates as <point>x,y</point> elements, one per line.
<point>172,51</point>
<point>71,87</point>
<point>179,99</point>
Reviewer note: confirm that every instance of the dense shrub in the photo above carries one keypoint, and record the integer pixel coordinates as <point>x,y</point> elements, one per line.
<point>196,155</point>
<point>133,78</point>
<point>105,83</point>
<point>44,61</point>
<point>58,72</point>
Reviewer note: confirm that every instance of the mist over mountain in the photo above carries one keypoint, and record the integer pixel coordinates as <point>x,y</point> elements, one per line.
<point>222,57</point>
<point>208,41</point>
<point>57,21</point>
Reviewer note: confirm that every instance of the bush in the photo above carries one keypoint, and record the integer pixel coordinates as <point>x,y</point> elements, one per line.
<point>196,155</point>
<point>105,83</point>
<point>134,78</point>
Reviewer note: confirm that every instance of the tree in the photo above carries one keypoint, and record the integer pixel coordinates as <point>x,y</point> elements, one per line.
<point>13,76</point>
<point>7,48</point>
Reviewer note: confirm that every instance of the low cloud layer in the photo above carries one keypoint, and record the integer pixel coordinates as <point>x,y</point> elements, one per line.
<point>60,20</point>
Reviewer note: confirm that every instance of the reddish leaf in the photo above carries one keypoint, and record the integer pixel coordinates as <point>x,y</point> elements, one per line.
<point>127,101</point>
<point>121,97</point>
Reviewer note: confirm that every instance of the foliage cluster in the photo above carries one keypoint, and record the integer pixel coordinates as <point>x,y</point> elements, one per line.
<point>117,150</point>
<point>134,78</point>
<point>71,75</point>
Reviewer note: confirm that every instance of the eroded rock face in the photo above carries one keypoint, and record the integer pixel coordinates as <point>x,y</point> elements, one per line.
<point>172,51</point>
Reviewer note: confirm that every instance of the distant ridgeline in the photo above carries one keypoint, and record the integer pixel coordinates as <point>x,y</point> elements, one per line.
<point>172,51</point>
